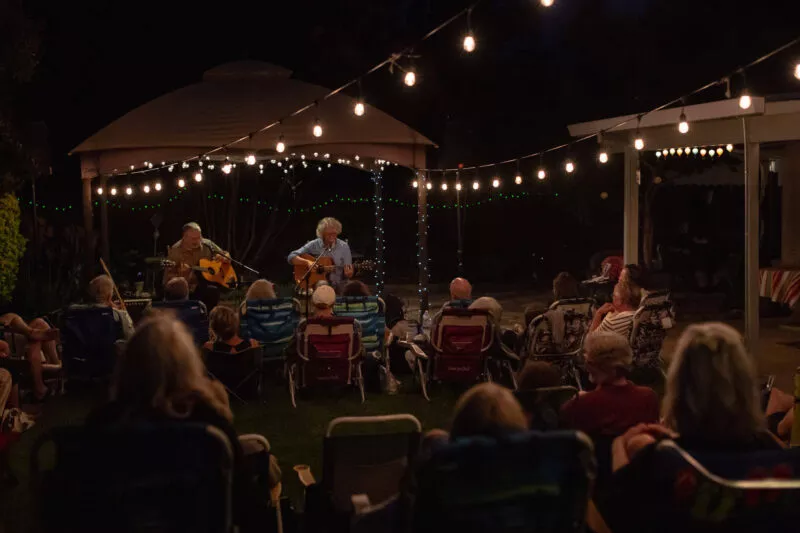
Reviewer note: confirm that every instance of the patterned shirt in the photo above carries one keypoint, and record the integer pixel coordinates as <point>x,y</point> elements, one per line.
<point>620,323</point>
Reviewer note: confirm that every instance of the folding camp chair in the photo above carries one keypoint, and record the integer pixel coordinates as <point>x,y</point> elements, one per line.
<point>584,306</point>
<point>17,361</point>
<point>656,298</point>
<point>192,313</point>
<point>169,477</point>
<point>525,482</point>
<point>567,354</point>
<point>240,373</point>
<point>90,338</point>
<point>329,352</point>
<point>272,322</point>
<point>544,404</point>
<point>705,492</point>
<point>364,462</point>
<point>369,312</point>
<point>651,323</point>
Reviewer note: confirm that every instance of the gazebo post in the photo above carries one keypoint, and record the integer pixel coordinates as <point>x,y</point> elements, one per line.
<point>377,177</point>
<point>88,225</point>
<point>104,246</point>
<point>631,210</point>
<point>752,194</point>
<point>422,244</point>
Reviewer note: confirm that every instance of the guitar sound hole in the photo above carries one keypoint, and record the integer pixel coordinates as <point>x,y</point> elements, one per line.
<point>211,271</point>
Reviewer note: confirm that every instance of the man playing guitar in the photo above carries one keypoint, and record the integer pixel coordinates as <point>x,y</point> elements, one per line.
<point>187,253</point>
<point>327,243</point>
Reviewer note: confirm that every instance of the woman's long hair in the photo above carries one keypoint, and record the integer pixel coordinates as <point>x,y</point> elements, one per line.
<point>161,368</point>
<point>711,390</point>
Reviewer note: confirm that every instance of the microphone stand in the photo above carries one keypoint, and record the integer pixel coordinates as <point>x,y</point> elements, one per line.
<point>307,276</point>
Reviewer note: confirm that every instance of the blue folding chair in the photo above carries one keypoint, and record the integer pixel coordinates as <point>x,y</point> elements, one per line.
<point>192,313</point>
<point>525,482</point>
<point>370,313</point>
<point>89,339</point>
<point>271,322</point>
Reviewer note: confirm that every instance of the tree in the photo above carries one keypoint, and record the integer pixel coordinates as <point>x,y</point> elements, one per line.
<point>12,245</point>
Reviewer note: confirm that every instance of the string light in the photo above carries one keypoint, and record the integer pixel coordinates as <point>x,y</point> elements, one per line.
<point>702,152</point>
<point>469,38</point>
<point>317,128</point>
<point>157,186</point>
<point>429,185</point>
<point>226,169</point>
<point>113,191</point>
<point>444,185</point>
<point>797,71</point>
<point>658,153</point>
<point>679,150</point>
<point>518,179</point>
<point>410,78</point>
<point>146,189</point>
<point>181,183</point>
<point>415,184</point>
<point>359,109</point>
<point>720,151</point>
<point>745,101</point>
<point>729,148</point>
<point>569,166</point>
<point>198,177</point>
<point>542,174</point>
<point>546,3</point>
<point>458,185</point>
<point>476,185</point>
<point>250,159</point>
<point>694,150</point>
<point>280,146</point>
<point>129,190</point>
<point>100,191</point>
<point>683,125</point>
<point>638,143</point>
<point>496,183</point>
<point>603,157</point>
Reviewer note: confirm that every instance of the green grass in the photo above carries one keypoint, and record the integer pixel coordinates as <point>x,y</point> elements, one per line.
<point>294,434</point>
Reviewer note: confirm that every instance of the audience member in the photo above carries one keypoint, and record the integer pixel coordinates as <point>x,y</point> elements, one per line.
<point>160,376</point>
<point>355,287</point>
<point>101,289</point>
<point>460,289</point>
<point>504,341</point>
<point>565,287</point>
<point>176,290</point>
<point>634,276</point>
<point>616,404</point>
<point>534,376</point>
<point>224,326</point>
<point>617,317</point>
<point>38,342</point>
<point>261,289</point>
<point>537,375</point>
<point>323,299</point>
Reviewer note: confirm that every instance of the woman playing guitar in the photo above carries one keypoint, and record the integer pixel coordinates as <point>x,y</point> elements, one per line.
<point>329,244</point>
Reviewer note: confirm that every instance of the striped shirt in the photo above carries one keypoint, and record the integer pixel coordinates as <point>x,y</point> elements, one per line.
<point>620,323</point>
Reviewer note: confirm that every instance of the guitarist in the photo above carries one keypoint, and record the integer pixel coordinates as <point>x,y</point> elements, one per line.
<point>187,253</point>
<point>329,243</point>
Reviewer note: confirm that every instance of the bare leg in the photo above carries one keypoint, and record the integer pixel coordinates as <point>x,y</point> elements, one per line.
<point>17,325</point>
<point>779,402</point>
<point>35,361</point>
<point>49,346</point>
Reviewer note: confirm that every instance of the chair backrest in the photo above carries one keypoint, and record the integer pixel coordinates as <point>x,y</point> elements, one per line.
<point>656,297</point>
<point>88,336</point>
<point>236,370</point>
<point>368,455</point>
<point>541,340</point>
<point>578,305</point>
<point>526,482</point>
<point>151,477</point>
<point>272,322</point>
<point>458,304</point>
<point>544,404</point>
<point>327,346</point>
<point>650,326</point>
<point>192,313</point>
<point>731,492</point>
<point>461,338</point>
<point>369,312</point>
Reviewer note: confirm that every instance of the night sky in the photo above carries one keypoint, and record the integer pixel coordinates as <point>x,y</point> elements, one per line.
<point>535,71</point>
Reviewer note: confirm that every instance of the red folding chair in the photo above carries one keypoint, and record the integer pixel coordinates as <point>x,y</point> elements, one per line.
<point>328,353</point>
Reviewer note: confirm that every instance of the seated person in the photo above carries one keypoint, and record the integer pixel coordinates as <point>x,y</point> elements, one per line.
<point>37,340</point>
<point>537,375</point>
<point>176,289</point>
<point>224,325</point>
<point>565,287</point>
<point>160,376</point>
<point>616,404</point>
<point>355,288</point>
<point>261,289</point>
<point>323,299</point>
<point>634,276</point>
<point>504,340</point>
<point>101,289</point>
<point>460,293</point>
<point>617,317</point>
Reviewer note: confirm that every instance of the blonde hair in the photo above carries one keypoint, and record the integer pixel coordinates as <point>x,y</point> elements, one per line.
<point>487,409</point>
<point>608,352</point>
<point>630,294</point>
<point>489,304</point>
<point>261,289</point>
<point>161,368</point>
<point>329,223</point>
<point>101,288</point>
<point>711,385</point>
<point>223,322</point>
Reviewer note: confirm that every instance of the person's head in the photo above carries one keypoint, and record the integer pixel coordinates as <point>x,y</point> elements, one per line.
<point>460,289</point>
<point>323,299</point>
<point>160,368</point>
<point>329,229</point>
<point>626,296</point>
<point>565,286</point>
<point>355,288</point>
<point>632,274</point>
<point>489,410</point>
<point>608,356</point>
<point>489,304</point>
<point>192,235</point>
<point>538,375</point>
<point>711,389</point>
<point>176,289</point>
<point>5,349</point>
<point>224,322</point>
<point>261,289</point>
<point>101,289</point>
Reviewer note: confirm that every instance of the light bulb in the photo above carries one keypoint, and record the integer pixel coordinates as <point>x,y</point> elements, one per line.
<point>686,150</point>
<point>702,152</point>
<point>99,190</point>
<point>680,151</point>
<point>695,150</point>
<point>113,191</point>
<point>280,147</point>
<point>546,3</point>
<point>181,183</point>
<point>658,154</point>
<point>410,78</point>
<point>729,148</point>
<point>720,151</point>
<point>541,174</point>
<point>226,169</point>
<point>495,183</point>
<point>672,151</point>
<point>569,167</point>
<point>745,101</point>
<point>469,43</point>
<point>458,185</point>
<point>518,179</point>
<point>683,125</point>
<point>198,177</point>
<point>146,189</point>
<point>429,185</point>
<point>317,129</point>
<point>444,186</point>
<point>359,109</point>
<point>250,159</point>
<point>638,143</point>
<point>711,153</point>
<point>476,185</point>
<point>603,157</point>
<point>797,71</point>
<point>415,184</point>
<point>128,191</point>
<point>157,186</point>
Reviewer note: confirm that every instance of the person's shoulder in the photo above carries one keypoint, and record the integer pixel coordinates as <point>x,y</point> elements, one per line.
<point>342,242</point>
<point>178,244</point>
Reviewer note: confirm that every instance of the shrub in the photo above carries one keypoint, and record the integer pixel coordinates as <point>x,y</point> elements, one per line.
<point>12,245</point>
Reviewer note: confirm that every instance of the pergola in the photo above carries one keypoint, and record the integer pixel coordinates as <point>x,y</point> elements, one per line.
<point>231,101</point>
<point>768,130</point>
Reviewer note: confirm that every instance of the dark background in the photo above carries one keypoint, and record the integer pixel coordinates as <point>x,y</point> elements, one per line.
<point>535,70</point>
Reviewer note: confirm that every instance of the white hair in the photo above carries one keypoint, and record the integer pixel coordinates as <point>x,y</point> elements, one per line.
<point>329,223</point>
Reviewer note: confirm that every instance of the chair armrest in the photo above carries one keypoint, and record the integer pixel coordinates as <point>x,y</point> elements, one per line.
<point>419,352</point>
<point>304,475</point>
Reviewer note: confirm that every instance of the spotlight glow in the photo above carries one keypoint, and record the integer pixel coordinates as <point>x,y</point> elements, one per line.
<point>695,150</point>
<point>680,151</point>
<point>410,78</point>
<point>672,151</point>
<point>542,174</point>
<point>703,152</point>
<point>797,71</point>
<point>546,3</point>
<point>469,43</point>
<point>720,151</point>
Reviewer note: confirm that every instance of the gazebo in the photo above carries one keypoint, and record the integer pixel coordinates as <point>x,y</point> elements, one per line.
<point>768,132</point>
<point>234,101</point>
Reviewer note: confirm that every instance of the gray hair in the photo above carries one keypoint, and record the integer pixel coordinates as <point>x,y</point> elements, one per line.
<point>489,304</point>
<point>329,223</point>
<point>711,387</point>
<point>101,288</point>
<point>608,351</point>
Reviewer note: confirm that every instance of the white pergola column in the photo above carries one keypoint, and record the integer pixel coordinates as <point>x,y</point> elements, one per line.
<point>631,215</point>
<point>752,194</point>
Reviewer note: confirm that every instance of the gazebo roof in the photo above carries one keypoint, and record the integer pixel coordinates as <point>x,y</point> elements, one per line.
<point>240,97</point>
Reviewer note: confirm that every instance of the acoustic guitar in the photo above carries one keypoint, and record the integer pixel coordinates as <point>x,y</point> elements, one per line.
<point>324,267</point>
<point>219,273</point>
